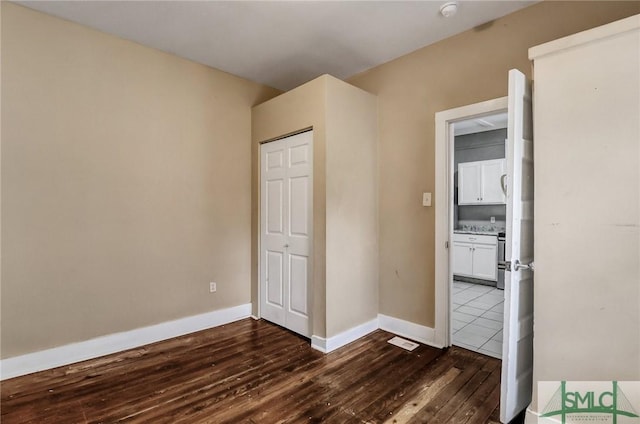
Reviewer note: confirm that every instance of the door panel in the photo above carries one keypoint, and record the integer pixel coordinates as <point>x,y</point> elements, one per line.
<point>468,183</point>
<point>492,171</point>
<point>299,273</point>
<point>275,280</point>
<point>286,235</point>
<point>299,216</point>
<point>485,260</point>
<point>274,210</point>
<point>517,350</point>
<point>462,258</point>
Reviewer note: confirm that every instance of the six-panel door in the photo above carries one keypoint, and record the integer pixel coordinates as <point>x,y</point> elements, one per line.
<point>286,231</point>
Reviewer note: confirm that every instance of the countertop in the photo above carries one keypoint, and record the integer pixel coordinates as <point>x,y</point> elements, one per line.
<point>477,232</point>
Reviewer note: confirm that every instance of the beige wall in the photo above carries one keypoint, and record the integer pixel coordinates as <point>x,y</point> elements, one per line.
<point>126,181</point>
<point>295,110</point>
<point>351,207</point>
<point>461,70</point>
<point>587,210</point>
<point>345,283</point>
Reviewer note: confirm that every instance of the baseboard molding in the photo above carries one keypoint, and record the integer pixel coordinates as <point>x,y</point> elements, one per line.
<point>420,333</point>
<point>410,330</point>
<point>332,343</point>
<point>105,345</point>
<point>118,342</point>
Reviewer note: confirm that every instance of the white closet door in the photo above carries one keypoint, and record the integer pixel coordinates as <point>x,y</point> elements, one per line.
<point>286,231</point>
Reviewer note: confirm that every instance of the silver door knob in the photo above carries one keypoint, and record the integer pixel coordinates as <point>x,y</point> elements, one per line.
<point>518,266</point>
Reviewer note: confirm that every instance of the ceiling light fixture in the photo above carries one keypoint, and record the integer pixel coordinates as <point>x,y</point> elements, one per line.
<point>449,9</point>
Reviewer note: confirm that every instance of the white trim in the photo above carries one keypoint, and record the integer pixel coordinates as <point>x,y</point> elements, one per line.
<point>413,331</point>
<point>332,343</point>
<point>443,200</point>
<point>112,343</point>
<point>118,342</point>
<point>594,34</point>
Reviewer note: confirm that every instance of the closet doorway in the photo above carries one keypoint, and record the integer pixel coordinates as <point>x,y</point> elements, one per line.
<point>286,223</point>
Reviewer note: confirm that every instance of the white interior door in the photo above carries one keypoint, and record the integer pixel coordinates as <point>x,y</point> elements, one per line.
<point>286,231</point>
<point>517,350</point>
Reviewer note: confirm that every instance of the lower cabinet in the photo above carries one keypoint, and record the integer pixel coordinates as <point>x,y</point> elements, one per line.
<point>475,256</point>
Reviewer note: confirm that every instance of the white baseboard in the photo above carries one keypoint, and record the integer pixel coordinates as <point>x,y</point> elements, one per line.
<point>105,345</point>
<point>417,332</point>
<point>332,343</point>
<point>113,343</point>
<point>410,330</point>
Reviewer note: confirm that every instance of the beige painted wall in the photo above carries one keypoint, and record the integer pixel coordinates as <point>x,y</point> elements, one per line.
<point>351,207</point>
<point>464,69</point>
<point>344,196</point>
<point>126,181</point>
<point>587,210</point>
<point>295,110</point>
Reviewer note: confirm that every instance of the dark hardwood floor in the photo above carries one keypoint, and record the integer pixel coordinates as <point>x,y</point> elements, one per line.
<point>255,372</point>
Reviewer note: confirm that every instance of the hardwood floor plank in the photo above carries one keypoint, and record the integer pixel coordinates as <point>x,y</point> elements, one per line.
<point>255,372</point>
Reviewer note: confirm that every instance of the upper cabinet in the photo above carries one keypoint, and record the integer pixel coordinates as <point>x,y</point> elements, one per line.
<point>481,182</point>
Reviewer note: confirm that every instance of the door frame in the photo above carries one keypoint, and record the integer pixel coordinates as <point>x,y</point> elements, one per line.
<point>444,151</point>
<point>311,282</point>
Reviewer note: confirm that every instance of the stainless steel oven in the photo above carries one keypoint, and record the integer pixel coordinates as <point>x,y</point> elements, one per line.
<point>501,260</point>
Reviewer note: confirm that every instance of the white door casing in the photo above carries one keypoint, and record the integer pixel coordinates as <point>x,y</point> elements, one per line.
<point>443,201</point>
<point>517,348</point>
<point>286,224</point>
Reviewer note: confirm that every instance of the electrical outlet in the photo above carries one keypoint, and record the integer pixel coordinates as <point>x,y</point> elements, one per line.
<point>493,219</point>
<point>212,287</point>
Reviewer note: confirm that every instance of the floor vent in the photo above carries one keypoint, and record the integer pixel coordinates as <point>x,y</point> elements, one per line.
<point>405,344</point>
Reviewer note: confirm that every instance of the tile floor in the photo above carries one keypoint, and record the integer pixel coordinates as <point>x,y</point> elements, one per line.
<point>477,318</point>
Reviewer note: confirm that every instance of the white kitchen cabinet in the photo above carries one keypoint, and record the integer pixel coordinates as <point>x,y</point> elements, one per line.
<point>475,256</point>
<point>479,183</point>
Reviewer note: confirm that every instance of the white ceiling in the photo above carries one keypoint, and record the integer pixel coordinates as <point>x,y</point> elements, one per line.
<point>485,123</point>
<point>281,43</point>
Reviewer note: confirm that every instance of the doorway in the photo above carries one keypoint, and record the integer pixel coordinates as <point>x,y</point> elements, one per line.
<point>445,153</point>
<point>517,346</point>
<point>477,242</point>
<point>286,223</point>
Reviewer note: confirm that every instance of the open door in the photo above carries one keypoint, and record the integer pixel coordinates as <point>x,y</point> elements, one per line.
<point>517,349</point>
